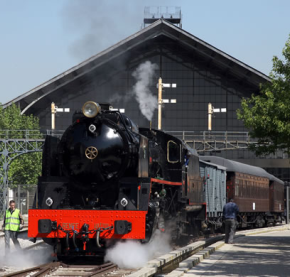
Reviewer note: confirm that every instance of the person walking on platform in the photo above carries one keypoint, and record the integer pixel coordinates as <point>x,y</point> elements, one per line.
<point>11,226</point>
<point>230,211</point>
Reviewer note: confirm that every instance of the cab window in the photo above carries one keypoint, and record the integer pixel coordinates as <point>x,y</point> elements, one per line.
<point>173,152</point>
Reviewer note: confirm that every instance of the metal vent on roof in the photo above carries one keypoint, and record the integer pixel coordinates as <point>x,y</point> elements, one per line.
<point>170,14</point>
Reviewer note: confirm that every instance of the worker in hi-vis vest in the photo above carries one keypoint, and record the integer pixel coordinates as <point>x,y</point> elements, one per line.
<point>11,226</point>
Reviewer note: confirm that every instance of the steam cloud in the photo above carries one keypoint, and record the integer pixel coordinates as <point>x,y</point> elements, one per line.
<point>141,90</point>
<point>24,258</point>
<point>147,101</point>
<point>133,254</point>
<point>96,25</point>
<point>118,97</point>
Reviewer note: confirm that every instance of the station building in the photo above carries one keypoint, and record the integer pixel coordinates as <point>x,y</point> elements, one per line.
<point>202,73</point>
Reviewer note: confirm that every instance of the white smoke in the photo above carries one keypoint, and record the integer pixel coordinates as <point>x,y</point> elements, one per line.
<point>141,90</point>
<point>147,101</point>
<point>118,97</point>
<point>134,254</point>
<point>95,25</point>
<point>21,259</point>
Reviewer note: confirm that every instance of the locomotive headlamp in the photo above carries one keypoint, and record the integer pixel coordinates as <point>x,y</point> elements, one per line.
<point>124,202</point>
<point>48,201</point>
<point>92,128</point>
<point>91,109</point>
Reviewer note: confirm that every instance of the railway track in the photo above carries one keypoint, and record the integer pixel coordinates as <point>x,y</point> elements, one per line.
<point>62,269</point>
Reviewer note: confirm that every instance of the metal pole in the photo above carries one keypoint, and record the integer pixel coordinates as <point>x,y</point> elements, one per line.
<point>27,200</point>
<point>209,115</point>
<point>53,112</point>
<point>159,103</point>
<point>18,198</point>
<point>287,204</point>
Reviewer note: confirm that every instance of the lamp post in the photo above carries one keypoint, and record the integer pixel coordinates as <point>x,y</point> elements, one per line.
<point>54,110</point>
<point>161,85</point>
<point>211,111</point>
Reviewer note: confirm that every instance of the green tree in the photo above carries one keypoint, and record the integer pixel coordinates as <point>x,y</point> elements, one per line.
<point>25,168</point>
<point>267,115</point>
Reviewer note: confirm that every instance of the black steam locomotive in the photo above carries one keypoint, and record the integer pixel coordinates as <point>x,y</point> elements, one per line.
<point>108,179</point>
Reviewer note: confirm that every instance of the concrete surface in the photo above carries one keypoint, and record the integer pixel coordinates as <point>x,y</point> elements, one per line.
<point>265,254</point>
<point>187,264</point>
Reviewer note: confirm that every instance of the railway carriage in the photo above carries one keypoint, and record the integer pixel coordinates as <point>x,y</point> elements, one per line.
<point>276,196</point>
<point>214,192</point>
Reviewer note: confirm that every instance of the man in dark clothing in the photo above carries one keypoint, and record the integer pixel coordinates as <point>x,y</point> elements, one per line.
<point>230,211</point>
<point>11,226</point>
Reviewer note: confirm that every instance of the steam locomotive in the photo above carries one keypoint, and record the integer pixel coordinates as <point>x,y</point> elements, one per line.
<point>107,179</point>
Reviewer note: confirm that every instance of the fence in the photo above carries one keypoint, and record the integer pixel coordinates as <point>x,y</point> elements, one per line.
<point>23,197</point>
<point>28,134</point>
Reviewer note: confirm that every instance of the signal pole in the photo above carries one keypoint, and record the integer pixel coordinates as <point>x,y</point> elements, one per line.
<point>159,103</point>
<point>161,85</point>
<point>211,111</point>
<point>54,110</point>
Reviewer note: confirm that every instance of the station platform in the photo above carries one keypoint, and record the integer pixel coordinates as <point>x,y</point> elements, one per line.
<point>264,254</point>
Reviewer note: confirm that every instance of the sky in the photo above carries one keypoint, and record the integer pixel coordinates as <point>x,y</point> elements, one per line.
<point>40,39</point>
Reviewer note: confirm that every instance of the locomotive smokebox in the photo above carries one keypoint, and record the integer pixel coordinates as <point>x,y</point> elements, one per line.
<point>94,151</point>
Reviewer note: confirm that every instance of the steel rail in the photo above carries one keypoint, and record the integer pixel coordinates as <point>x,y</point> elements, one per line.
<point>32,269</point>
<point>53,267</point>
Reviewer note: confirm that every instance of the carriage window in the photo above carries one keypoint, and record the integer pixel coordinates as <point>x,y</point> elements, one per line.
<point>173,152</point>
<point>236,190</point>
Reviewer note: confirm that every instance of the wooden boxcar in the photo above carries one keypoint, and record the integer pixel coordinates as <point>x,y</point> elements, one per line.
<point>214,189</point>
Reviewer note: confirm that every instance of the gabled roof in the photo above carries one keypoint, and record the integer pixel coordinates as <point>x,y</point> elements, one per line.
<point>161,27</point>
